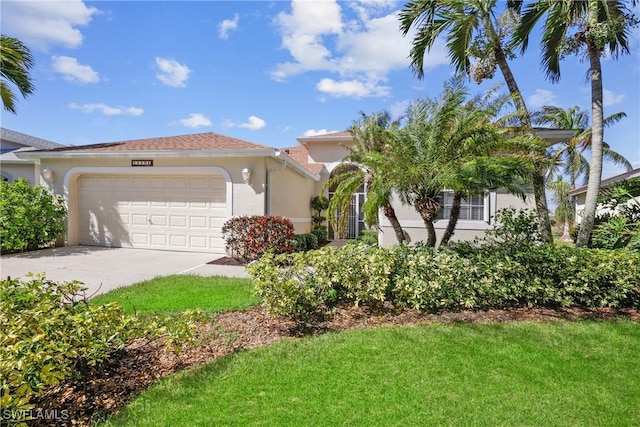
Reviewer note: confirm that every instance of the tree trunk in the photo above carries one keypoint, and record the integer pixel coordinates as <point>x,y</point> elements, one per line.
<point>539,193</point>
<point>597,137</point>
<point>390,213</point>
<point>566,236</point>
<point>453,219</point>
<point>427,217</point>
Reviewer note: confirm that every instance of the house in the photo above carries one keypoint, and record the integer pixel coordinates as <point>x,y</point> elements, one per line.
<point>12,167</point>
<point>580,193</point>
<point>174,193</point>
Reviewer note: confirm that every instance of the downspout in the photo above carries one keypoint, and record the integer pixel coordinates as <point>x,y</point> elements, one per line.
<point>269,172</point>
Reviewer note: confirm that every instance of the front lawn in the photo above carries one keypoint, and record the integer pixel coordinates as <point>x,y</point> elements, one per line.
<point>522,373</point>
<point>173,294</point>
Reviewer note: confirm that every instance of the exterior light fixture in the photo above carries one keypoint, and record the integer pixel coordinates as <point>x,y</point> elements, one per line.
<point>246,175</point>
<point>48,175</point>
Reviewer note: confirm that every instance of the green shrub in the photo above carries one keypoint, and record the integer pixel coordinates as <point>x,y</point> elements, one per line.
<point>321,233</point>
<point>514,228</point>
<point>368,237</point>
<point>306,242</point>
<point>49,335</point>
<point>249,237</point>
<point>463,276</point>
<point>30,217</point>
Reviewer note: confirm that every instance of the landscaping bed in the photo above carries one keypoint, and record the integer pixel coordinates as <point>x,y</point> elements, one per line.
<point>108,387</point>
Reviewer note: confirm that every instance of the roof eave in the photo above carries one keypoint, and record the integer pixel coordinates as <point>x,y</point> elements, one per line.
<point>144,153</point>
<point>281,155</point>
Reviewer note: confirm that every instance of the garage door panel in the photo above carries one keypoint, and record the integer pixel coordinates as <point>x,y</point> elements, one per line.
<point>168,212</point>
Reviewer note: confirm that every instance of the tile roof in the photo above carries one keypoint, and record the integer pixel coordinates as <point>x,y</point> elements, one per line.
<point>201,141</point>
<point>301,155</point>
<point>26,140</point>
<point>606,181</point>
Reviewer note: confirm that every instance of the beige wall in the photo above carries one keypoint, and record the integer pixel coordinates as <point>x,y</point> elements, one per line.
<point>328,152</point>
<point>14,171</point>
<point>247,199</point>
<point>291,195</point>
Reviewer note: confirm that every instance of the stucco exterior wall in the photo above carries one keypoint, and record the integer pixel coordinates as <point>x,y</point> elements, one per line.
<point>328,152</point>
<point>413,224</point>
<point>13,171</point>
<point>290,196</point>
<point>247,199</point>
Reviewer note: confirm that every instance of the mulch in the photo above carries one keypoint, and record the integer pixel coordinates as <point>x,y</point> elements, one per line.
<point>107,388</point>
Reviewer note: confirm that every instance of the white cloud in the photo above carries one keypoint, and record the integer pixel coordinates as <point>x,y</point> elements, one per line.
<point>362,51</point>
<point>195,120</point>
<point>611,98</point>
<point>252,123</point>
<point>73,71</point>
<point>542,97</point>
<point>172,73</point>
<point>107,110</point>
<point>351,88</point>
<point>399,108</point>
<point>40,24</point>
<point>314,132</point>
<point>228,25</point>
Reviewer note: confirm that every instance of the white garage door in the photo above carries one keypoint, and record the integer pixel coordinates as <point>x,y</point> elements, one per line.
<point>179,213</point>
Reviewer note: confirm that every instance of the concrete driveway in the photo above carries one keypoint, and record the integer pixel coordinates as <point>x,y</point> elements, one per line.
<point>104,269</point>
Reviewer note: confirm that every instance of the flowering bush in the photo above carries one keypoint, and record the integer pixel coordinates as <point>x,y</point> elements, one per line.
<point>250,237</point>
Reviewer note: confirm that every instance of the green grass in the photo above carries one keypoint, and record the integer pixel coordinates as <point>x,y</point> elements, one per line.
<point>172,294</point>
<point>524,374</point>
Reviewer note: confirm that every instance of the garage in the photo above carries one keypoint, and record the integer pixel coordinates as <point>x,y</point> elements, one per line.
<point>165,212</point>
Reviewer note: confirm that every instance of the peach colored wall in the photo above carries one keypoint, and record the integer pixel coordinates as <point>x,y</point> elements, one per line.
<point>291,195</point>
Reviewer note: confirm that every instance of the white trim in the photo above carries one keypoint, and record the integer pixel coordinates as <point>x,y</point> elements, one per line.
<point>246,152</point>
<point>108,170</point>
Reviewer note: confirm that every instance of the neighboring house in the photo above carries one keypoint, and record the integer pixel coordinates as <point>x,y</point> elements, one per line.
<point>580,193</point>
<point>174,193</point>
<point>12,167</point>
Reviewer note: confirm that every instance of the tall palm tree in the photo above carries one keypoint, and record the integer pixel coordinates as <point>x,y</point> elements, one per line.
<point>567,157</point>
<point>371,135</point>
<point>597,26</point>
<point>15,62</point>
<point>470,24</point>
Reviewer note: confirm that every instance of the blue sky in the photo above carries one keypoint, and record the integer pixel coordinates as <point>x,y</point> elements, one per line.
<point>266,72</point>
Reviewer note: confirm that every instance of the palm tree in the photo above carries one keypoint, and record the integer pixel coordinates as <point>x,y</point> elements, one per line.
<point>473,29</point>
<point>15,63</point>
<point>564,206</point>
<point>599,25</point>
<point>371,135</point>
<point>486,158</point>
<point>567,157</point>
<point>451,143</point>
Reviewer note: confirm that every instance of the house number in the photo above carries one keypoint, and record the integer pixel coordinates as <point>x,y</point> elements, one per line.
<point>141,162</point>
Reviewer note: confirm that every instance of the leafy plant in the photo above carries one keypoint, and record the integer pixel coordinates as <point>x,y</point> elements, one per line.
<point>306,242</point>
<point>249,237</point>
<point>50,334</point>
<point>514,228</point>
<point>321,232</point>
<point>619,225</point>
<point>31,217</point>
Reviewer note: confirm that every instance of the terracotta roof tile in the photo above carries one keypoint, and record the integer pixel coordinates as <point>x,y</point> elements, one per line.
<point>301,155</point>
<point>201,141</point>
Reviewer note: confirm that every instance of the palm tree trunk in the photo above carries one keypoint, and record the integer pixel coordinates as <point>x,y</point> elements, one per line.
<point>427,217</point>
<point>390,213</point>
<point>597,137</point>
<point>453,219</point>
<point>566,236</point>
<point>539,193</point>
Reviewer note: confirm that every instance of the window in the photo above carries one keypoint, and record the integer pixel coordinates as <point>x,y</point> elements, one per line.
<point>471,209</point>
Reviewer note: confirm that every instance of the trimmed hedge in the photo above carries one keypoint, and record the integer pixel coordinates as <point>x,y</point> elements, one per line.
<point>460,277</point>
<point>249,237</point>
